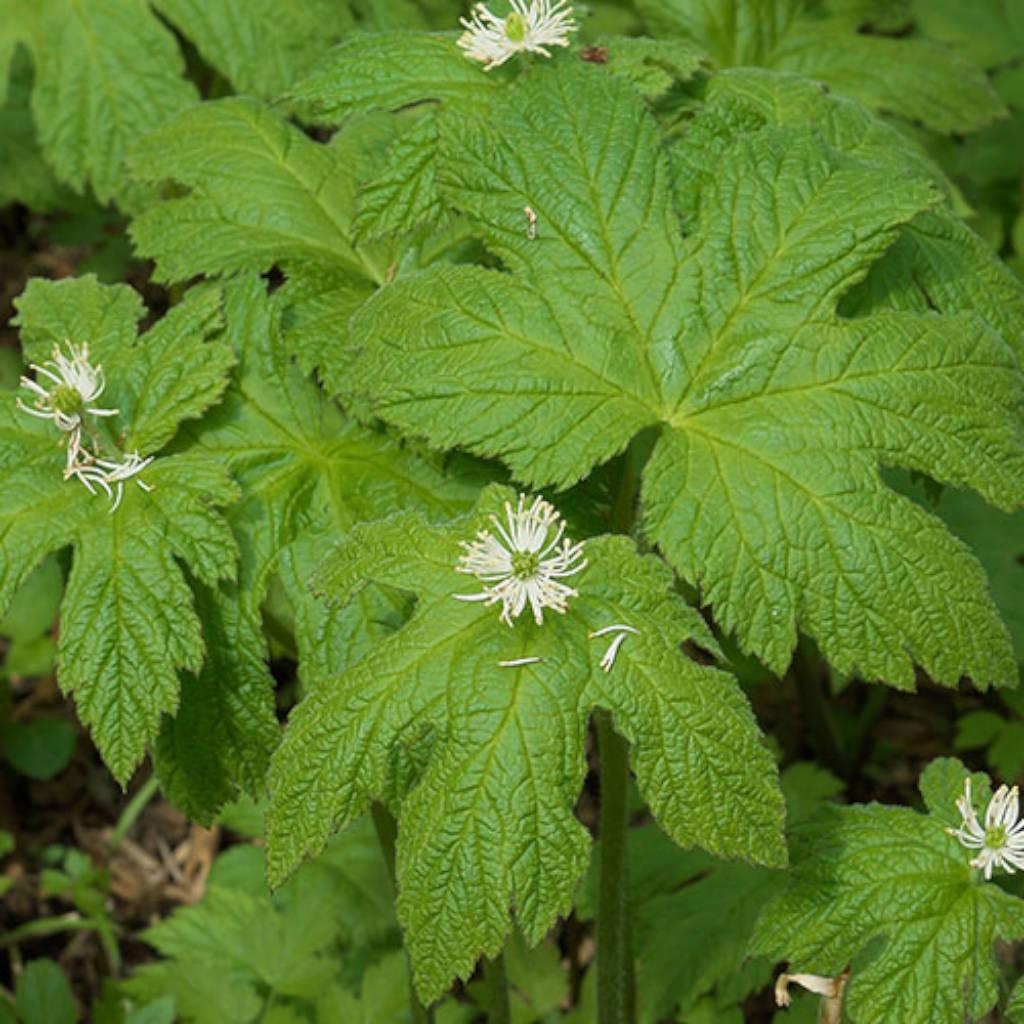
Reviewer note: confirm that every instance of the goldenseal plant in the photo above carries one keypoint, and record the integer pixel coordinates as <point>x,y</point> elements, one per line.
<point>545,446</point>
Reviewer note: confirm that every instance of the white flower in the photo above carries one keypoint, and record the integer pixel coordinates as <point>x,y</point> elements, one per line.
<point>74,384</point>
<point>534,26</point>
<point>1001,840</point>
<point>523,562</point>
<point>104,472</point>
<point>613,648</point>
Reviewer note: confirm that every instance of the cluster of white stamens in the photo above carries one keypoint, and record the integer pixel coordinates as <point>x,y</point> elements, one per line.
<point>1001,839</point>
<point>74,385</point>
<point>527,27</point>
<point>621,631</point>
<point>523,561</point>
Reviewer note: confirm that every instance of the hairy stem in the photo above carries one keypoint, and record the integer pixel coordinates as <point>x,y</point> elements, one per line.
<point>497,983</point>
<point>387,834</point>
<point>616,994</point>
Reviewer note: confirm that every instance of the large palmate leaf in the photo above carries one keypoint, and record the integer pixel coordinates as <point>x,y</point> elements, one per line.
<point>390,71</point>
<point>307,475</point>
<point>774,414</point>
<point>885,891</point>
<point>936,262</point>
<point>488,828</point>
<point>923,81</point>
<point>236,37</point>
<point>106,72</point>
<point>262,194</point>
<point>127,622</point>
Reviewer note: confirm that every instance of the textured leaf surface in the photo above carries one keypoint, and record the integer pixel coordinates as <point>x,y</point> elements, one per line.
<point>388,70</point>
<point>885,890</point>
<point>1015,1009</point>
<point>262,193</point>
<point>127,621</point>
<point>226,727</point>
<point>106,72</point>
<point>922,81</point>
<point>25,176</point>
<point>935,263</point>
<point>774,413</point>
<point>260,46</point>
<point>489,826</point>
<point>308,474</point>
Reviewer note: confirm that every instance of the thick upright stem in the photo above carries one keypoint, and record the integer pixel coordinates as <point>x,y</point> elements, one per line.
<point>387,834</point>
<point>616,993</point>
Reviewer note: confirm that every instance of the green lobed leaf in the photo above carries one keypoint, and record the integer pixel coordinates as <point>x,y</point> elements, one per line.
<point>489,824</point>
<point>936,262</point>
<point>226,727</point>
<point>1015,1009</point>
<point>106,72</point>
<point>127,619</point>
<point>261,193</point>
<point>888,892</point>
<point>307,474</point>
<point>923,81</point>
<point>989,31</point>
<point>25,176</point>
<point>388,70</point>
<point>774,414</point>
<point>43,996</point>
<point>233,36</point>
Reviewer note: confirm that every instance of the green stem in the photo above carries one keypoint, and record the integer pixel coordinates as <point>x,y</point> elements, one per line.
<point>817,714</point>
<point>497,983</point>
<point>131,813</point>
<point>616,990</point>
<point>47,926</point>
<point>387,835</point>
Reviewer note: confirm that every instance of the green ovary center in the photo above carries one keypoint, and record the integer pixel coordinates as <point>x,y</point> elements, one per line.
<point>995,837</point>
<point>515,27</point>
<point>525,565</point>
<point>67,400</point>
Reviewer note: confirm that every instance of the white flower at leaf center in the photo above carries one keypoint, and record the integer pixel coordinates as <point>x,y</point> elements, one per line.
<point>533,27</point>
<point>74,383</point>
<point>523,561</point>
<point>1001,839</point>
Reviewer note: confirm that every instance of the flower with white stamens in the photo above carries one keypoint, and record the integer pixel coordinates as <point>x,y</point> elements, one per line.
<point>523,561</point>
<point>73,384</point>
<point>1001,839</point>
<point>527,27</point>
<point>104,472</point>
<point>612,653</point>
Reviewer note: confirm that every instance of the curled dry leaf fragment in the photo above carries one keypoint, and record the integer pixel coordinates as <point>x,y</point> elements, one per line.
<point>830,989</point>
